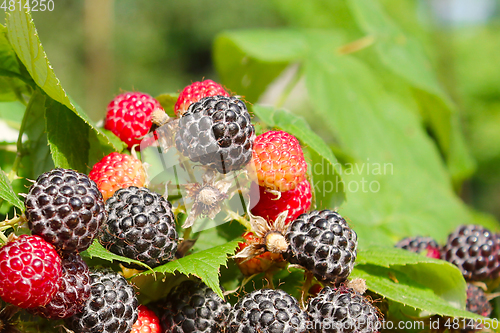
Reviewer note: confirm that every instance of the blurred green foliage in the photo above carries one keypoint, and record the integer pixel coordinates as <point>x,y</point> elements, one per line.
<point>159,47</point>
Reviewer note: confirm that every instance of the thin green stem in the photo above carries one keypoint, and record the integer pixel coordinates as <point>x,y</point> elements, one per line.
<point>289,87</point>
<point>187,233</point>
<point>235,216</point>
<point>3,238</point>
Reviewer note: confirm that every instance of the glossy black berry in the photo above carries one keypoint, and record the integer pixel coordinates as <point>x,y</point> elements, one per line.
<point>66,209</point>
<point>217,132</point>
<point>342,310</point>
<point>267,311</point>
<point>140,226</point>
<point>193,307</point>
<point>112,306</point>
<point>323,243</point>
<point>475,251</point>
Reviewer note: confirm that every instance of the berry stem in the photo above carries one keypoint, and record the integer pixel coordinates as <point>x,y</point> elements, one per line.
<point>237,217</point>
<point>304,291</point>
<point>7,224</point>
<point>3,238</point>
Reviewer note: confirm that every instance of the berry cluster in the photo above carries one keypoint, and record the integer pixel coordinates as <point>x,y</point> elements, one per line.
<point>66,211</point>
<point>474,250</point>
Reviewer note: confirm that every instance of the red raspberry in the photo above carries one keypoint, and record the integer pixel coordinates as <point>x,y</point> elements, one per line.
<point>279,161</point>
<point>196,91</point>
<point>260,263</point>
<point>30,272</point>
<point>297,201</point>
<point>129,116</point>
<point>147,322</point>
<point>116,171</point>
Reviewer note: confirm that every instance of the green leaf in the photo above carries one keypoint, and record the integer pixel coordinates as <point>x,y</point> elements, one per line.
<point>423,283</point>
<point>328,165</point>
<point>11,80</point>
<point>167,102</point>
<point>7,193</point>
<point>241,73</point>
<point>204,265</point>
<point>443,278</point>
<point>68,137</point>
<point>8,60</point>
<point>24,39</point>
<point>400,286</point>
<point>405,56</point>
<point>387,189</point>
<point>38,159</point>
<point>96,250</point>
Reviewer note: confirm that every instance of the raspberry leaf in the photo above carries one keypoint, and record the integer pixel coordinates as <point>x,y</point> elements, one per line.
<point>24,40</point>
<point>96,250</point>
<point>409,61</point>
<point>7,193</point>
<point>204,265</point>
<point>413,280</point>
<point>233,63</point>
<point>61,125</point>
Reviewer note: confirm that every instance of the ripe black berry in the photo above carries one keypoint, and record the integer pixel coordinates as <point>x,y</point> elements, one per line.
<point>324,244</point>
<point>112,306</point>
<point>424,245</point>
<point>140,226</point>
<point>193,307</point>
<point>217,132</point>
<point>66,209</point>
<point>267,311</point>
<point>342,310</point>
<point>475,251</point>
<point>73,292</point>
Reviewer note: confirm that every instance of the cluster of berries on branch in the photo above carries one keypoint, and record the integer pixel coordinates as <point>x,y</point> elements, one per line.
<point>67,212</point>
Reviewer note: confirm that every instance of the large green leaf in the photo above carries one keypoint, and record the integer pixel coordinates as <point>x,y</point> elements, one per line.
<point>7,193</point>
<point>241,73</point>
<point>8,61</point>
<point>11,84</point>
<point>405,56</point>
<point>68,137</point>
<point>328,195</point>
<point>443,278</point>
<point>38,159</point>
<point>407,189</point>
<point>204,265</point>
<point>434,286</point>
<point>24,39</point>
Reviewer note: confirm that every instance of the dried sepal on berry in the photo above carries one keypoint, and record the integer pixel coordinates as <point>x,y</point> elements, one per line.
<point>264,262</point>
<point>270,236</point>
<point>208,197</point>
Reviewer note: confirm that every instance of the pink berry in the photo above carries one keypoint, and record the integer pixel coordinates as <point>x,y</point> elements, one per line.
<point>129,116</point>
<point>196,91</point>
